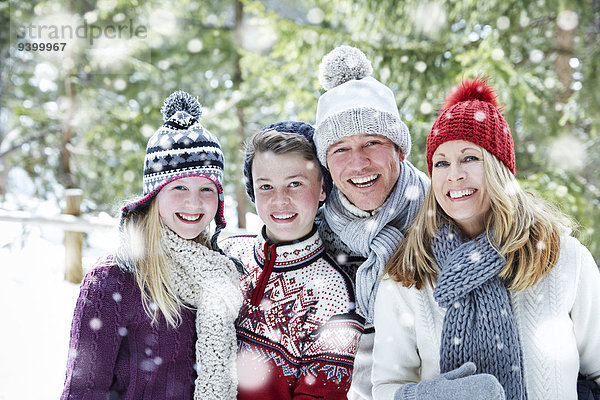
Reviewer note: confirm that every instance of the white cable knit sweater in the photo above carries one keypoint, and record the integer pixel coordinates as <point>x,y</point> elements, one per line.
<point>558,321</point>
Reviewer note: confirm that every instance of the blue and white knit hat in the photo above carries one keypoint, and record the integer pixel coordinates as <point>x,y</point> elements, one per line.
<point>181,148</point>
<point>355,103</point>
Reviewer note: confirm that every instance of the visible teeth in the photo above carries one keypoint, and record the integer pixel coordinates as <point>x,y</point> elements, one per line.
<point>283,216</point>
<point>189,217</point>
<point>456,194</point>
<point>364,182</point>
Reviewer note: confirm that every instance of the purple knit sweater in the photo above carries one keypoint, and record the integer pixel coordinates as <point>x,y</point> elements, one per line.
<point>115,351</point>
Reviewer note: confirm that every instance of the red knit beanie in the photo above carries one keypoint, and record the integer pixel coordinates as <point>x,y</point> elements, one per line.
<point>471,113</point>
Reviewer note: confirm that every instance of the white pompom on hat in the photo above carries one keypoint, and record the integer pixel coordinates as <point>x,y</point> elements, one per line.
<point>355,103</point>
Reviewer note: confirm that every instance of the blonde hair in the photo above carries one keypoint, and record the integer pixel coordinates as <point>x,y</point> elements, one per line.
<point>143,235</point>
<point>523,228</point>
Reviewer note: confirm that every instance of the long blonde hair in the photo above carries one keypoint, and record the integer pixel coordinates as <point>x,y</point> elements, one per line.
<point>523,228</point>
<point>143,236</point>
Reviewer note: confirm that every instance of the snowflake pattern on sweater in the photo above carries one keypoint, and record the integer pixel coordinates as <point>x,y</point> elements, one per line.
<point>298,331</point>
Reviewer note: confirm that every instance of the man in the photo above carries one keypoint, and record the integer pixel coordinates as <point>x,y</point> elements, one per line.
<point>362,141</point>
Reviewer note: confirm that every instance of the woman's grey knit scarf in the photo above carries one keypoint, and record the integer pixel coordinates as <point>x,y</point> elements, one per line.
<point>208,281</point>
<point>377,237</point>
<point>479,324</point>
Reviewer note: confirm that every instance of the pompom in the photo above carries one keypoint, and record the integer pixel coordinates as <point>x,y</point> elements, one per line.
<point>472,89</point>
<point>180,101</point>
<point>342,64</point>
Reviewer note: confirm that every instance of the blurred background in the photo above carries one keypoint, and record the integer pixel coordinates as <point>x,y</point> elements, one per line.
<point>82,83</point>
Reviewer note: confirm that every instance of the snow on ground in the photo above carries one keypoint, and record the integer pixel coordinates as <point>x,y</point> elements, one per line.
<point>36,306</point>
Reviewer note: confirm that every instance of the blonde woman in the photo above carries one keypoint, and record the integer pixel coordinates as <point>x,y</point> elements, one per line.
<point>488,297</point>
<point>156,320</point>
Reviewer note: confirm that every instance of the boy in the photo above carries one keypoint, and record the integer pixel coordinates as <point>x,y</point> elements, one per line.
<point>298,330</point>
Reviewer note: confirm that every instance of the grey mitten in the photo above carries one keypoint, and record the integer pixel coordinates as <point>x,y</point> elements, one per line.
<point>458,384</point>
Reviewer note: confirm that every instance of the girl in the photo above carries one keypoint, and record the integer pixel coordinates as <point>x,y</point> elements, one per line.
<point>156,320</point>
<point>488,279</point>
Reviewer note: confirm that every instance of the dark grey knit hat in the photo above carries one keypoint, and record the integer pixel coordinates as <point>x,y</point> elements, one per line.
<point>180,148</point>
<point>297,127</point>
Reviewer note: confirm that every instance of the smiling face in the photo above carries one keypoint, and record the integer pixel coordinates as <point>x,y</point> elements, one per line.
<point>187,205</point>
<point>459,185</point>
<point>364,168</point>
<point>287,190</point>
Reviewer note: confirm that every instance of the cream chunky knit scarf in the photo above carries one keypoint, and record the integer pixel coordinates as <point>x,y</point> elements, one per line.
<point>208,281</point>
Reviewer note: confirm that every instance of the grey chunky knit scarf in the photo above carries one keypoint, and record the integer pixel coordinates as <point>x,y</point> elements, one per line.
<point>208,281</point>
<point>479,324</point>
<point>376,237</point>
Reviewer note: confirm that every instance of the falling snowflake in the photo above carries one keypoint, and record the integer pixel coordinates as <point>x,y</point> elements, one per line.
<point>120,84</point>
<point>536,56</point>
<point>457,341</point>
<point>420,66</point>
<point>95,324</point>
<point>257,35</point>
<point>117,296</point>
<point>512,187</point>
<point>568,152</point>
<point>147,365</point>
<point>156,167</point>
<point>426,107</point>
<point>407,320</point>
<point>252,374</point>
<point>195,45</point>
<point>266,304</point>
<point>475,256</point>
<point>541,245</point>
<point>72,353</point>
<point>412,192</point>
<point>430,18</point>
<point>315,16</point>
<point>310,379</point>
<point>540,298</point>
<point>567,20</point>
<point>457,304</point>
<point>341,258</point>
<point>122,331</point>
<point>497,54</point>
<point>500,345</point>
<point>163,22</point>
<point>503,23</point>
<point>371,225</point>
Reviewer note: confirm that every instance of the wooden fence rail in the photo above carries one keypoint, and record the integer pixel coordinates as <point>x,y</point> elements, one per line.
<point>73,223</point>
<point>66,222</point>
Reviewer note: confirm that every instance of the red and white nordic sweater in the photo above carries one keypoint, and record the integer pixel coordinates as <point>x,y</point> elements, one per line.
<point>297,331</point>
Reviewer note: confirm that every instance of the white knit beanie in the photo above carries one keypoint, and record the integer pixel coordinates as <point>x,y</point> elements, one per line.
<point>355,103</point>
